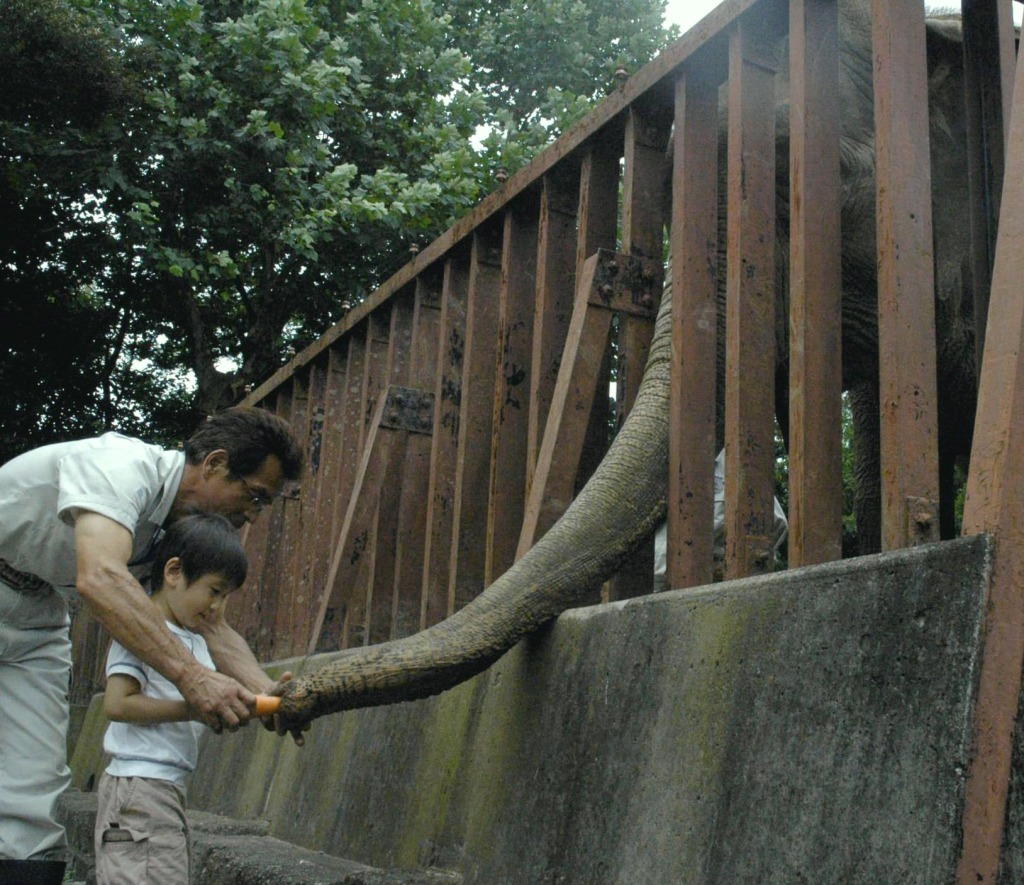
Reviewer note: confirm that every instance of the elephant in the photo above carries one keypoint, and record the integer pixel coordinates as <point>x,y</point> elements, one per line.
<point>624,501</point>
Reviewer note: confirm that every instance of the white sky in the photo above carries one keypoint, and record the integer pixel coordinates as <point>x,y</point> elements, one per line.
<point>686,13</point>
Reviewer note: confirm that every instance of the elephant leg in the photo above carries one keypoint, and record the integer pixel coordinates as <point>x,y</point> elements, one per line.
<point>867,465</point>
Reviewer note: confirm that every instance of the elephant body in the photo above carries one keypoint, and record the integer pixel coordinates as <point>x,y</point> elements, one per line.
<point>624,501</point>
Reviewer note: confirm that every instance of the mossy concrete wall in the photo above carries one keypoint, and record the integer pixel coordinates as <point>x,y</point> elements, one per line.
<point>812,725</point>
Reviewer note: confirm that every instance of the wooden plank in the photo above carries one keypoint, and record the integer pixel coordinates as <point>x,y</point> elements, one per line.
<point>989,60</point>
<point>444,441</point>
<point>643,205</point>
<point>750,305</point>
<point>694,268</point>
<point>657,76</point>
<point>906,279</point>
<point>511,411</point>
<point>472,468</point>
<point>815,351</point>
<point>412,519</point>
<point>995,501</point>
<point>556,280</point>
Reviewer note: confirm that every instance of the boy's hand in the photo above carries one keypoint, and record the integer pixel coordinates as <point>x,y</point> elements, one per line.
<point>275,723</point>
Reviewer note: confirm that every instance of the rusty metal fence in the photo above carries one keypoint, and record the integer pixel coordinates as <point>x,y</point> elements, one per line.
<point>450,419</point>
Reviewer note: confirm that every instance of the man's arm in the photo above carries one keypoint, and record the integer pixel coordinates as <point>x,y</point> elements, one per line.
<point>119,603</point>
<point>232,655</point>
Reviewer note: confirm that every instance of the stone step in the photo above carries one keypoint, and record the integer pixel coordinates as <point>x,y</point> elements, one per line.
<point>235,852</point>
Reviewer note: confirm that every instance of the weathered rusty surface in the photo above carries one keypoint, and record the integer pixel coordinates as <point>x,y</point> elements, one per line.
<point>652,78</point>
<point>692,398</point>
<point>409,409</point>
<point>473,461</point>
<point>552,488</point>
<point>627,284</point>
<point>815,339</point>
<point>906,278</point>
<point>989,60</point>
<point>511,407</point>
<point>750,304</point>
<point>447,396</point>
<point>995,504</point>
<point>412,525</point>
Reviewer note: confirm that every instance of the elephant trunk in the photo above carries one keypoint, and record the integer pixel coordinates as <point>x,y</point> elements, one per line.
<point>620,506</point>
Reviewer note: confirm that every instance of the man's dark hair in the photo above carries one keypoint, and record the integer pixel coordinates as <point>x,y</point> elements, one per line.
<point>248,436</point>
<point>206,544</point>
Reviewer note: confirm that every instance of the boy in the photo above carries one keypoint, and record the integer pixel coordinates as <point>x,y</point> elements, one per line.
<point>142,834</point>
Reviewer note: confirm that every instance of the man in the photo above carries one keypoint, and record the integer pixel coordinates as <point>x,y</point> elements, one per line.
<point>84,517</point>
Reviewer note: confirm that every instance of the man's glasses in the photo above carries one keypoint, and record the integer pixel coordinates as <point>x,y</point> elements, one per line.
<point>260,498</point>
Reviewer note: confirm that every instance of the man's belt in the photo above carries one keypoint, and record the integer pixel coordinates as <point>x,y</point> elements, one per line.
<point>25,583</point>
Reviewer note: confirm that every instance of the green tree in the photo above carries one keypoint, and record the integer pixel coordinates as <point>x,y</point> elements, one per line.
<point>262,165</point>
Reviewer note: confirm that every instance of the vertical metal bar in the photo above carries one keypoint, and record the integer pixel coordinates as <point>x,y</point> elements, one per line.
<point>989,59</point>
<point>304,538</point>
<point>643,225</point>
<point>472,470</point>
<point>444,441</point>
<point>815,349</point>
<point>328,473</point>
<point>276,550</point>
<point>598,229</point>
<point>376,374</point>
<point>906,288</point>
<point>552,489</point>
<point>750,304</point>
<point>995,502</point>
<point>507,499</point>
<point>326,630</point>
<point>694,271</point>
<point>412,524</point>
<point>404,606</point>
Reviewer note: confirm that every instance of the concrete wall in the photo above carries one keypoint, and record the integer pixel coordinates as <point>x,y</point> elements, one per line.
<point>808,726</point>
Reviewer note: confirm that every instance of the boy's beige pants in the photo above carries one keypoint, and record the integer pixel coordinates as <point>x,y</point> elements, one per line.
<point>142,834</point>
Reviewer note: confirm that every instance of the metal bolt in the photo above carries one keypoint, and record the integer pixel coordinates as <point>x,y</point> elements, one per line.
<point>605,291</point>
<point>501,176</point>
<point>621,74</point>
<point>414,249</point>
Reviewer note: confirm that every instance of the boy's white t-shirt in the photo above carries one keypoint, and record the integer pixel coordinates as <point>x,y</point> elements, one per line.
<point>167,751</point>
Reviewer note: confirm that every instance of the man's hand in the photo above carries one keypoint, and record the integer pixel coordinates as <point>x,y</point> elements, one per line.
<point>276,724</point>
<point>218,701</point>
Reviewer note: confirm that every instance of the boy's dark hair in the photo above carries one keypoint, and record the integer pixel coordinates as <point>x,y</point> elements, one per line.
<point>206,543</point>
<point>248,436</point>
